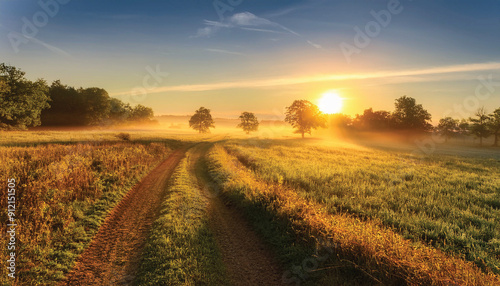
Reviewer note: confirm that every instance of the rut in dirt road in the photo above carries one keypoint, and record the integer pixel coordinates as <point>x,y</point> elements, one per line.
<point>247,258</point>
<point>115,251</point>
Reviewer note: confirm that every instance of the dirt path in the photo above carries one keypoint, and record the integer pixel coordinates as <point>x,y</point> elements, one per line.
<point>247,259</point>
<point>114,253</point>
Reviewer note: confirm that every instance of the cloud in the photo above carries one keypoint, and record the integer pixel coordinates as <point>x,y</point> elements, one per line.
<point>224,52</point>
<point>394,76</point>
<point>49,47</point>
<point>247,21</point>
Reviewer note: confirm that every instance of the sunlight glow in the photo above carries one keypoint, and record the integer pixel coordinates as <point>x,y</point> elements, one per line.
<point>330,103</point>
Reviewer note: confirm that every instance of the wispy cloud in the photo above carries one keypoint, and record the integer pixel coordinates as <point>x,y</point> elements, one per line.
<point>220,51</point>
<point>409,75</point>
<point>49,47</point>
<point>250,22</point>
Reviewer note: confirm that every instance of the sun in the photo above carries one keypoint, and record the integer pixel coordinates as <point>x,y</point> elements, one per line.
<point>330,103</point>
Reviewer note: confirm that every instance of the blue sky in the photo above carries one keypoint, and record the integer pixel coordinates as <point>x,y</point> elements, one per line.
<point>259,56</point>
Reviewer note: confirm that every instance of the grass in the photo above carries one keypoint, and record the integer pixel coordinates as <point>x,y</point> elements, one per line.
<point>63,194</point>
<point>181,249</point>
<point>450,202</point>
<point>285,171</point>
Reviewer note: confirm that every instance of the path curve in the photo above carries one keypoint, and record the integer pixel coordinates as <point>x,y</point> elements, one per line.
<point>114,254</point>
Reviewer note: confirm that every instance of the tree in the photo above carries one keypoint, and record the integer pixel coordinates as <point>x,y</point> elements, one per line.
<point>66,106</point>
<point>249,122</point>
<point>479,126</point>
<point>96,105</point>
<point>141,113</point>
<point>373,120</point>
<point>21,100</point>
<point>119,112</point>
<point>304,116</point>
<point>463,128</point>
<point>202,120</point>
<point>411,116</point>
<point>494,125</point>
<point>447,127</point>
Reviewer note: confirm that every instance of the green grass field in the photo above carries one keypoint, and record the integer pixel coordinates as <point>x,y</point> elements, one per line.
<point>451,202</point>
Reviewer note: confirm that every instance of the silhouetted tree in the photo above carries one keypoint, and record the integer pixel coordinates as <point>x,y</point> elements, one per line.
<point>119,112</point>
<point>202,120</point>
<point>96,105</point>
<point>141,113</point>
<point>66,106</point>
<point>373,120</point>
<point>21,100</point>
<point>249,122</point>
<point>479,126</point>
<point>494,125</point>
<point>447,127</point>
<point>304,116</point>
<point>410,115</point>
<point>339,120</point>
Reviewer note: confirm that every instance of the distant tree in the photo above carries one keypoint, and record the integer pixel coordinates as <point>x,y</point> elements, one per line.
<point>119,111</point>
<point>202,120</point>
<point>141,113</point>
<point>339,120</point>
<point>96,105</point>
<point>21,100</point>
<point>447,127</point>
<point>494,125</point>
<point>463,128</point>
<point>304,116</point>
<point>249,122</point>
<point>66,106</point>
<point>373,120</point>
<point>479,125</point>
<point>410,115</point>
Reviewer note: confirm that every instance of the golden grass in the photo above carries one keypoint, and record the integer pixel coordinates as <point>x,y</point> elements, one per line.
<point>379,251</point>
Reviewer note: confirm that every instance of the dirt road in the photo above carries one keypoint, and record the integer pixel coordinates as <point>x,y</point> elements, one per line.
<point>114,253</point>
<point>247,259</point>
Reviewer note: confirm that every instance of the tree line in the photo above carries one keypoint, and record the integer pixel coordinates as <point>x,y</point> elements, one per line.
<point>25,103</point>
<point>305,116</point>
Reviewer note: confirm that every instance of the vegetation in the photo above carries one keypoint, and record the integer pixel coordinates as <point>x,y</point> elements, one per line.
<point>495,125</point>
<point>21,100</point>
<point>181,249</point>
<point>249,122</point>
<point>479,126</point>
<point>64,193</point>
<point>410,116</point>
<point>304,116</point>
<point>89,106</point>
<point>202,120</point>
<point>448,127</point>
<point>313,188</point>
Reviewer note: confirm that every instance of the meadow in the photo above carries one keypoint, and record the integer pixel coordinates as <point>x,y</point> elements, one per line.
<point>446,202</point>
<point>63,194</point>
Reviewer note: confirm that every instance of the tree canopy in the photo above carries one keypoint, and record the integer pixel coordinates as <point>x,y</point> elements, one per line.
<point>479,126</point>
<point>202,120</point>
<point>494,125</point>
<point>410,116</point>
<point>248,122</point>
<point>447,127</point>
<point>21,100</point>
<point>304,116</point>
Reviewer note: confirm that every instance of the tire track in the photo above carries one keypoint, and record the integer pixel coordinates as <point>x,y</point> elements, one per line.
<point>114,254</point>
<point>248,260</point>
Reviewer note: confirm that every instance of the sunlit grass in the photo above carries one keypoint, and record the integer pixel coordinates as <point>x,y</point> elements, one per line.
<point>63,194</point>
<point>314,187</point>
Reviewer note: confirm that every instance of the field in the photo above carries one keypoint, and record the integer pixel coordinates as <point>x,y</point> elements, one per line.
<point>308,212</point>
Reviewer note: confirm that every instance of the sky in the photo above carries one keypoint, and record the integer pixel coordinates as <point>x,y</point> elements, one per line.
<point>241,55</point>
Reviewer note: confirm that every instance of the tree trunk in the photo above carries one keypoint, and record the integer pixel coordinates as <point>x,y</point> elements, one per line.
<point>480,141</point>
<point>496,140</point>
<point>302,135</point>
